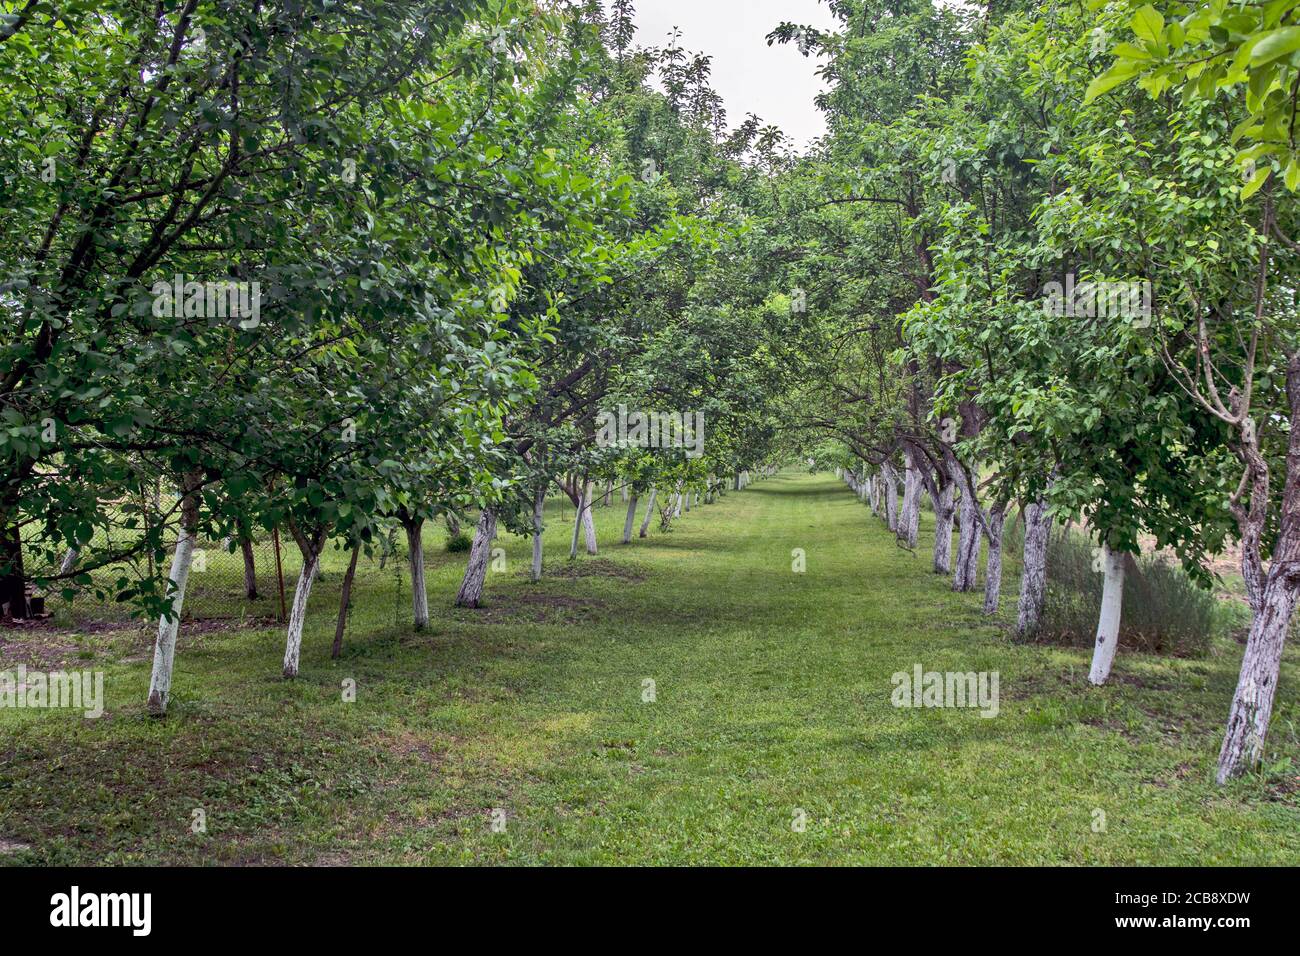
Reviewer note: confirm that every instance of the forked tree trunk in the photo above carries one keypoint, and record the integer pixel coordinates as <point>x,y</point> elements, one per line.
<point>164,650</point>
<point>891,495</point>
<point>649,511</point>
<point>993,562</point>
<point>630,520</point>
<point>480,552</point>
<point>345,600</point>
<point>943,515</point>
<point>1112,603</point>
<point>909,521</point>
<point>415,556</point>
<point>539,513</point>
<point>1033,576</point>
<point>311,553</point>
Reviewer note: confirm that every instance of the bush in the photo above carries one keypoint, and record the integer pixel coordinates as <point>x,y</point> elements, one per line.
<point>1165,611</point>
<point>458,542</point>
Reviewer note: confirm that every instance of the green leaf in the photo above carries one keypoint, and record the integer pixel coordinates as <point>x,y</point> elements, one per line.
<point>1275,44</point>
<point>1148,24</point>
<point>1260,177</point>
<point>1120,73</point>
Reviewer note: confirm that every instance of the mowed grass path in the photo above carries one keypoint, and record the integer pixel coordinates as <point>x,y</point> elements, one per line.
<point>772,695</point>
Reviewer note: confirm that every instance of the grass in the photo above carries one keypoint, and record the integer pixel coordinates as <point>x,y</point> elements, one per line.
<point>772,695</point>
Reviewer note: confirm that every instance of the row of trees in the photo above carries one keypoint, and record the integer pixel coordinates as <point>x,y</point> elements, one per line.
<point>1053,253</point>
<point>334,267</point>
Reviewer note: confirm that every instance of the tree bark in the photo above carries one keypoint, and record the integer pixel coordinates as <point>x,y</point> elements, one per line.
<point>164,650</point>
<point>250,565</point>
<point>539,513</point>
<point>649,512</point>
<point>345,599</point>
<point>588,520</point>
<point>909,522</point>
<point>311,552</point>
<point>415,556</point>
<point>1252,702</point>
<point>631,519</point>
<point>471,587</point>
<point>13,577</point>
<point>943,515</point>
<point>1112,603</point>
<point>891,495</point>
<point>1033,577</point>
<point>965,575</point>
<point>993,562</point>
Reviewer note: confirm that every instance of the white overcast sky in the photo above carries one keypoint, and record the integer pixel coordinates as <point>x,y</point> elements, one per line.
<point>777,82</point>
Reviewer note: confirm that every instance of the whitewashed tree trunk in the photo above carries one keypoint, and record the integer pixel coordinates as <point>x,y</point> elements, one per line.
<point>480,552</point>
<point>298,613</point>
<point>891,495</point>
<point>993,562</point>
<point>626,491</point>
<point>415,556</point>
<point>577,529</point>
<point>686,501</point>
<point>164,651</point>
<point>943,515</point>
<point>630,521</point>
<point>588,520</point>
<point>1112,603</point>
<point>649,511</point>
<point>539,512</point>
<point>609,492</point>
<point>966,573</point>
<point>1033,576</point>
<point>69,560</point>
<point>909,522</point>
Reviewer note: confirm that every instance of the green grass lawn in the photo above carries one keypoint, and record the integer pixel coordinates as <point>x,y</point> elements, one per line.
<point>772,696</point>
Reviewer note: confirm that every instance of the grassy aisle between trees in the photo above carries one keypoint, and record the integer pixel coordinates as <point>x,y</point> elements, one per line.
<point>772,695</point>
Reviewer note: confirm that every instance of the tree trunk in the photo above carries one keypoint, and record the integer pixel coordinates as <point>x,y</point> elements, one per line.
<point>609,492</point>
<point>909,522</point>
<point>966,573</point>
<point>13,577</point>
<point>311,552</point>
<point>993,563</point>
<point>626,491</point>
<point>453,524</point>
<point>1112,602</point>
<point>1033,577</point>
<point>250,566</point>
<point>471,588</point>
<point>1252,702</point>
<point>943,515</point>
<point>588,520</point>
<point>164,650</point>
<point>539,514</point>
<point>631,519</point>
<point>415,555</point>
<point>649,511</point>
<point>345,599</point>
<point>891,495</point>
<point>735,486</point>
<point>69,560</point>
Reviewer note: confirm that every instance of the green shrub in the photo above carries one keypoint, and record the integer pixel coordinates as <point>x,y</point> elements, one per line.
<point>458,542</point>
<point>1165,611</point>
